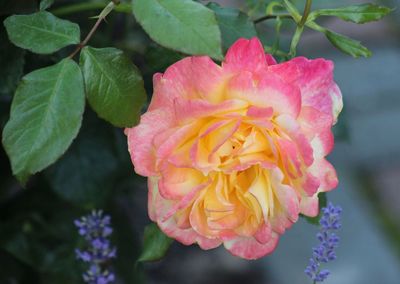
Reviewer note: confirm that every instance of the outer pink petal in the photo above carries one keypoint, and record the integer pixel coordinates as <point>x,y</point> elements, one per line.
<point>326,174</point>
<point>315,79</point>
<point>311,184</point>
<point>309,206</point>
<point>245,54</point>
<point>292,128</point>
<point>195,77</point>
<point>140,139</point>
<point>313,121</point>
<point>187,236</point>
<point>250,248</point>
<point>151,198</point>
<point>270,59</point>
<point>316,125</point>
<point>264,234</point>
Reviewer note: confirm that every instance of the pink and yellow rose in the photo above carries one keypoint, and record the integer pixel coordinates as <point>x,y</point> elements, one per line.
<point>234,153</point>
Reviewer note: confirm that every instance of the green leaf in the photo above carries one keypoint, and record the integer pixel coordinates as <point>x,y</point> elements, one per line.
<point>343,43</point>
<point>323,201</point>
<point>156,244</point>
<point>94,181</point>
<point>348,45</point>
<point>233,24</point>
<point>291,8</point>
<point>45,117</point>
<point>182,25</point>
<point>44,4</point>
<point>41,32</point>
<point>359,14</point>
<point>114,85</point>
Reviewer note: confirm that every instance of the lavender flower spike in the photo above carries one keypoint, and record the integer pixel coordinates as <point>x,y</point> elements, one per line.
<point>95,229</point>
<point>325,251</point>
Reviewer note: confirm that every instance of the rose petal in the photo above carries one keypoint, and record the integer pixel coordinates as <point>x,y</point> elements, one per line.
<point>140,139</point>
<point>245,54</point>
<point>250,248</point>
<point>196,77</point>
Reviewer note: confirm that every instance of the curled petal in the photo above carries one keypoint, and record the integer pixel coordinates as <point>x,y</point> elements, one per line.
<point>140,139</point>
<point>245,54</point>
<point>315,80</point>
<point>195,77</point>
<point>250,248</point>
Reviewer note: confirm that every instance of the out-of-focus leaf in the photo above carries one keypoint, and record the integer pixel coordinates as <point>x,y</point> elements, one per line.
<point>11,62</point>
<point>41,32</point>
<point>256,7</point>
<point>155,245</point>
<point>343,43</point>
<point>46,115</point>
<point>359,14</point>
<point>348,45</point>
<point>44,4</point>
<point>183,25</point>
<point>86,173</point>
<point>322,203</point>
<point>233,24</point>
<point>114,86</point>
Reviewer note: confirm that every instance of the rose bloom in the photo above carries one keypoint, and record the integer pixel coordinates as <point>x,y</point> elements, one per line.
<point>234,153</point>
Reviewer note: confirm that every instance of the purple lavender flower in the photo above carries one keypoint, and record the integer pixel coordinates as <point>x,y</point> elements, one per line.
<point>328,241</point>
<point>96,228</point>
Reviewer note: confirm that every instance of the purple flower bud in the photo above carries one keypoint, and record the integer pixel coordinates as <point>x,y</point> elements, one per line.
<point>95,228</point>
<point>324,252</point>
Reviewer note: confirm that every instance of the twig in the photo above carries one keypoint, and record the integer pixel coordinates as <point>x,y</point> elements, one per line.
<point>268,17</point>
<point>101,17</point>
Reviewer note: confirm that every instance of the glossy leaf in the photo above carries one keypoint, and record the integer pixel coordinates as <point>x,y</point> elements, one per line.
<point>183,25</point>
<point>44,4</point>
<point>41,32</point>
<point>233,24</point>
<point>114,86</point>
<point>156,244</point>
<point>359,14</point>
<point>45,117</point>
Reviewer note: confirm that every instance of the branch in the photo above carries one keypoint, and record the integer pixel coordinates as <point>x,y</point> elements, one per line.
<point>268,17</point>
<point>101,17</point>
